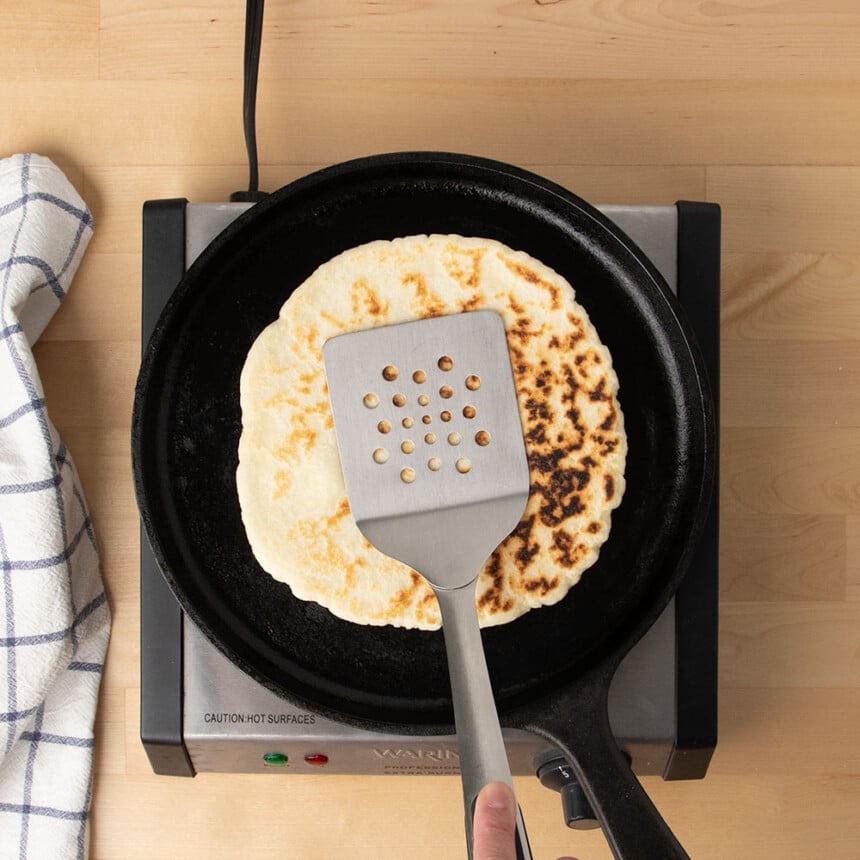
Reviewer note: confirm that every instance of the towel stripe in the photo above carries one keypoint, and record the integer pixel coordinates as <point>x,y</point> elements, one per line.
<point>32,487</point>
<point>56,635</point>
<point>40,264</point>
<point>47,811</point>
<point>21,411</point>
<point>24,199</point>
<point>64,740</point>
<point>51,560</point>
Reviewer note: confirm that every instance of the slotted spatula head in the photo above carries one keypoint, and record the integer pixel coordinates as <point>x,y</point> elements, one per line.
<point>430,440</point>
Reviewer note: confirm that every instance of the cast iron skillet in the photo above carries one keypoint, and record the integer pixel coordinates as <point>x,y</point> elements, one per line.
<point>551,668</point>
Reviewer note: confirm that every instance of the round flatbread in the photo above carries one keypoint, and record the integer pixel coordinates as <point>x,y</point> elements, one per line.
<point>289,480</point>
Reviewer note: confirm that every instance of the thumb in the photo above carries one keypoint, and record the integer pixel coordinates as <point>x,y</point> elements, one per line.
<point>495,823</point>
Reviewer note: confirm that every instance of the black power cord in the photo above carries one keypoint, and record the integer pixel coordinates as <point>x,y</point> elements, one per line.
<point>253,38</point>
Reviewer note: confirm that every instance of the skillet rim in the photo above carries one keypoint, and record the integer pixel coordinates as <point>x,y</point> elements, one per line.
<point>420,160</point>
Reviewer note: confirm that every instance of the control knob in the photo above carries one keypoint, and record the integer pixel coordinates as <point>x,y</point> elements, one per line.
<point>554,772</point>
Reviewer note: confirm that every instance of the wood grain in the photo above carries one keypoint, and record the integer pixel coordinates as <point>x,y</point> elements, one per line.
<point>489,39</point>
<point>790,644</point>
<point>790,209</point>
<point>774,470</point>
<point>852,561</point>
<point>781,401</point>
<point>792,297</point>
<point>751,104</point>
<point>783,557</point>
<point>50,40</point>
<point>529,121</point>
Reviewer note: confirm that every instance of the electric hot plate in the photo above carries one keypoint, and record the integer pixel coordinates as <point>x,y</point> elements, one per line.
<point>200,713</point>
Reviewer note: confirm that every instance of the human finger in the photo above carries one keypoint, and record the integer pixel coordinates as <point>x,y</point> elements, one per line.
<point>495,822</point>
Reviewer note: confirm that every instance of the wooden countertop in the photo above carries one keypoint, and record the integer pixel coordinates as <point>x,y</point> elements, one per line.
<point>753,105</point>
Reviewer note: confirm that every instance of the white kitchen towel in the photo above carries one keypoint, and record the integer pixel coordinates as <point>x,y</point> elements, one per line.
<point>54,618</point>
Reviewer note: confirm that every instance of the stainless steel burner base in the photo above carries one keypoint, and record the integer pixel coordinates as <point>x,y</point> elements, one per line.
<point>232,723</point>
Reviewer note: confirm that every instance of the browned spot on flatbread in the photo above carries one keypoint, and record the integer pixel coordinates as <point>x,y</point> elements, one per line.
<point>544,381</point>
<point>611,417</point>
<point>607,445</point>
<point>463,265</point>
<point>599,393</point>
<point>471,304</point>
<point>273,368</point>
<point>532,277</point>
<point>539,411</point>
<point>282,398</point>
<point>331,318</point>
<point>428,303</point>
<point>306,383</point>
<point>570,382</point>
<point>609,487</point>
<point>316,533</point>
<point>589,357</point>
<point>406,596</point>
<point>283,482</point>
<point>515,306</point>
<point>428,601</point>
<point>308,335</point>
<point>342,511</point>
<point>365,301</point>
<point>301,436</point>
<point>565,552</point>
<point>542,585</point>
<point>576,442</point>
<point>560,488</point>
<point>528,548</point>
<point>493,571</point>
<point>520,330</point>
<point>576,333</point>
<point>300,410</point>
<point>491,599</point>
<point>512,304</point>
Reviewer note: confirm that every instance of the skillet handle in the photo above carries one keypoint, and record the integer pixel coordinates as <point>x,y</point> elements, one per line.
<point>577,723</point>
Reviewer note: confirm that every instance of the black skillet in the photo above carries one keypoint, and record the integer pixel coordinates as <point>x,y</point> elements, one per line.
<point>551,668</point>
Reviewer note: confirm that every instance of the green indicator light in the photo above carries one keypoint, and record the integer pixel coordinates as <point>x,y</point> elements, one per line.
<point>275,759</point>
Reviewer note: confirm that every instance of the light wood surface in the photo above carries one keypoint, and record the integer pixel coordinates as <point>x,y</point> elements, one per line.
<point>752,104</point>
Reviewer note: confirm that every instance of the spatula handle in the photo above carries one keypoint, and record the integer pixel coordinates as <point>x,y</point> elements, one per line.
<point>483,757</point>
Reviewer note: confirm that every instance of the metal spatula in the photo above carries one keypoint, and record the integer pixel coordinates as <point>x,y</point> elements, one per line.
<point>434,463</point>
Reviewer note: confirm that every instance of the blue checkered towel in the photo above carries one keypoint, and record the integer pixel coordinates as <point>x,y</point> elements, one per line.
<point>54,619</point>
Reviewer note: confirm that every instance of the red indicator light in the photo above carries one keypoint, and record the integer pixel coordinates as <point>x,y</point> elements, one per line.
<point>316,759</point>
